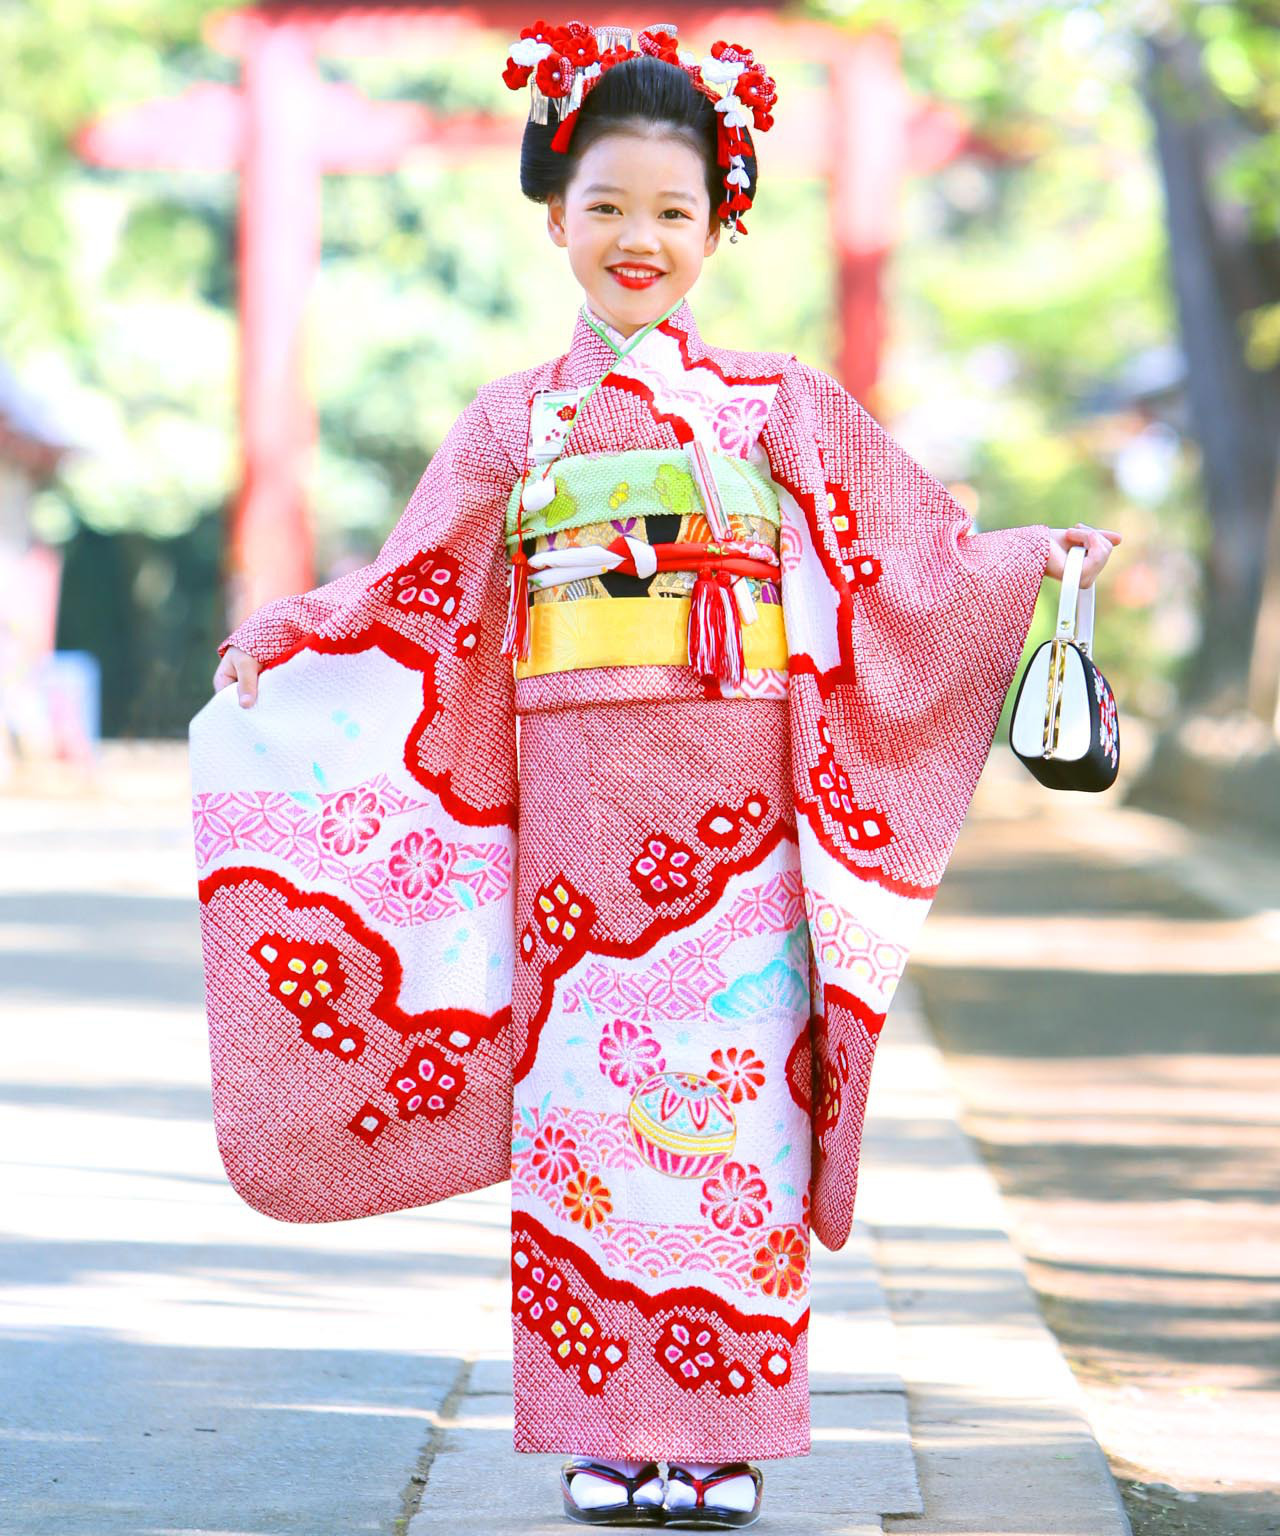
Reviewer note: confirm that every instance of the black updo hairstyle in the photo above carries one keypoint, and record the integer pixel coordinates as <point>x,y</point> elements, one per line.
<point>632,95</point>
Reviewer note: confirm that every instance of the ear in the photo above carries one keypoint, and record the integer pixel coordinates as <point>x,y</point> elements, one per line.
<point>555,220</point>
<point>713,238</point>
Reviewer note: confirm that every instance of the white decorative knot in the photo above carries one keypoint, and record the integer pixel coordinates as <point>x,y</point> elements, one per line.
<point>529,51</point>
<point>720,71</point>
<point>738,178</point>
<point>735,116</point>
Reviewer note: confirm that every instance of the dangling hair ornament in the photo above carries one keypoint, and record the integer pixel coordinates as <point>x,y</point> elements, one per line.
<point>566,61</point>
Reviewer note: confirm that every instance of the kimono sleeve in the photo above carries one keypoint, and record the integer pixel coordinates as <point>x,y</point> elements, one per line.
<point>905,629</point>
<point>355,839</point>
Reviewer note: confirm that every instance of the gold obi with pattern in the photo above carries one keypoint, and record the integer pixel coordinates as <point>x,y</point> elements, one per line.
<point>601,595</point>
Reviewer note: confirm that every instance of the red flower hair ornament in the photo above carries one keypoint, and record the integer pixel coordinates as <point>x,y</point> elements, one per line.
<point>566,61</point>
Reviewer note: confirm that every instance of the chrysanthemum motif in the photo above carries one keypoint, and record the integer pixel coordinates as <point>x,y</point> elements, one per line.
<point>629,1053</point>
<point>554,1154</point>
<point>739,1071</point>
<point>587,1198</point>
<point>780,1262</point>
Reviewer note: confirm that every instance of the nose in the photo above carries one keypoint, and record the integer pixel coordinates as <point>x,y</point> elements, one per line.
<point>639,238</point>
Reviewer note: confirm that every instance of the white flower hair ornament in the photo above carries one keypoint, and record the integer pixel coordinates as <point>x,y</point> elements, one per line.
<point>566,61</point>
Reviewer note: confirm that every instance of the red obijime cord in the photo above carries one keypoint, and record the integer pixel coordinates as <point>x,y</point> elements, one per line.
<point>515,633</point>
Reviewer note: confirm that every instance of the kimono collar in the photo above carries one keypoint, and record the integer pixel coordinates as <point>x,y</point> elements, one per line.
<point>590,355</point>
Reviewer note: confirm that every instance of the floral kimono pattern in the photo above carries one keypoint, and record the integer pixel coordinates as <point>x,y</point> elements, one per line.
<point>639,965</point>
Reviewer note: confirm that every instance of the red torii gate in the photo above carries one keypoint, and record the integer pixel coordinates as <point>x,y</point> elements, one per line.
<point>283,128</point>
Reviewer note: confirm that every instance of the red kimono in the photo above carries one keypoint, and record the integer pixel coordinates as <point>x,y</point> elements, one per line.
<point>640,969</point>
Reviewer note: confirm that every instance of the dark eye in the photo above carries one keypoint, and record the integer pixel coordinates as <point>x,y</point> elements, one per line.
<point>595,207</point>
<point>680,211</point>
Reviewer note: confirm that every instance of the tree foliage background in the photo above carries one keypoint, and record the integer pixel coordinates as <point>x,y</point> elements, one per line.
<point>1033,365</point>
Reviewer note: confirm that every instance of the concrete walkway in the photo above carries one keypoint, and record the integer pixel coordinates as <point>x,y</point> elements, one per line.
<point>171,1362</point>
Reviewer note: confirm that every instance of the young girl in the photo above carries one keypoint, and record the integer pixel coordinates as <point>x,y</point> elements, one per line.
<point>758,663</point>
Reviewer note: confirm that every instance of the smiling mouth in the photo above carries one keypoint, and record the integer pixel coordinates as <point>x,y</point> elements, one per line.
<point>628,271</point>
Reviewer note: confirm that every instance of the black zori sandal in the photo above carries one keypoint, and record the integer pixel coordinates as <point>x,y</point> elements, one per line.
<point>705,1513</point>
<point>625,1510</point>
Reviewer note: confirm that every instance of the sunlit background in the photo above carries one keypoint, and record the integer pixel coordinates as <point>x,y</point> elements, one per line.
<point>1040,241</point>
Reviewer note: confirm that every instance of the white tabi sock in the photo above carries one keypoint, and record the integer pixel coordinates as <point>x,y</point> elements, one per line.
<point>594,1492</point>
<point>733,1493</point>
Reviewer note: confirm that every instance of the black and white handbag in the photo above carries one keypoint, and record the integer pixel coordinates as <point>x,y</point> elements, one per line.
<point>1064,725</point>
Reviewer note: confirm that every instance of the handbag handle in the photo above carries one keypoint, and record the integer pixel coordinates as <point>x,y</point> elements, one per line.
<point>1075,604</point>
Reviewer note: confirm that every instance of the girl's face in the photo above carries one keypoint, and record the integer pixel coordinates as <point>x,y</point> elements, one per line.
<point>635,202</point>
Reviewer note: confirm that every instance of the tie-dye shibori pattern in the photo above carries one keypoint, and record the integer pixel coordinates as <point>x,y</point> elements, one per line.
<point>661,1135</point>
<point>392,1021</point>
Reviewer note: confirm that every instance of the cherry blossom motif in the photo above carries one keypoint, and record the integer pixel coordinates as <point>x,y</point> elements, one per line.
<point>352,822</point>
<point>738,423</point>
<point>563,913</point>
<point>537,1290</point>
<point>629,1053</point>
<point>739,1071</point>
<point>587,1198</point>
<point>779,1262</point>
<point>554,1154</point>
<point>417,863</point>
<point>736,1198</point>
<point>663,870</point>
<point>429,583</point>
<point>308,979</point>
<point>689,1352</point>
<point>569,1326</point>
<point>427,1083</point>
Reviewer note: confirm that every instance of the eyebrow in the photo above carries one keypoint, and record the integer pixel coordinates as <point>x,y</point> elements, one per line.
<point>676,192</point>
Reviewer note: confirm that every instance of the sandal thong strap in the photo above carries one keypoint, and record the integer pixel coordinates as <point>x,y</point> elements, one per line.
<point>722,1475</point>
<point>646,1474</point>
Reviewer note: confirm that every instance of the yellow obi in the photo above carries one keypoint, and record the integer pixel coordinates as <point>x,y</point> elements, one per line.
<point>647,496</point>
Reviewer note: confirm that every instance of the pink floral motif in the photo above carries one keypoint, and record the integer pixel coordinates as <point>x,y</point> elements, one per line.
<point>738,423</point>
<point>629,1053</point>
<point>736,1198</point>
<point>351,822</point>
<point>663,870</point>
<point>417,863</point>
<point>554,1154</point>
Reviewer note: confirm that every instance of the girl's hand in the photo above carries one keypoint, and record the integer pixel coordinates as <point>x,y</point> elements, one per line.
<point>1098,543</point>
<point>237,665</point>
